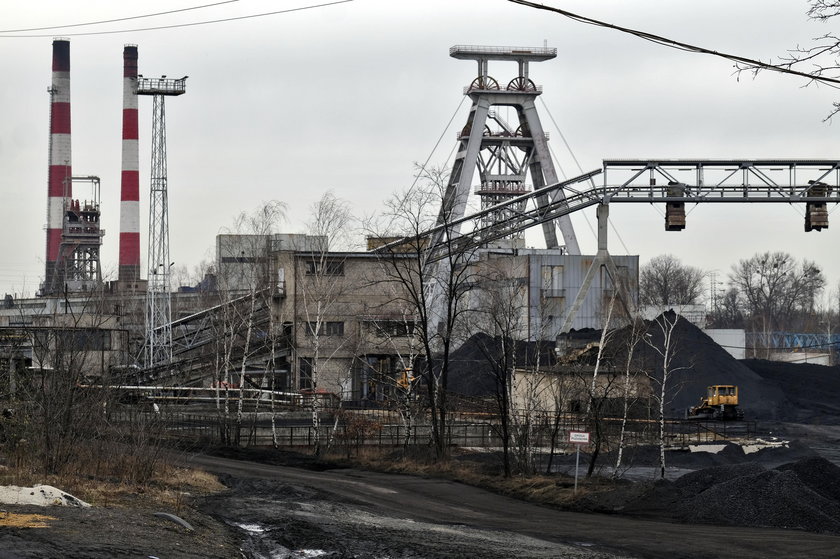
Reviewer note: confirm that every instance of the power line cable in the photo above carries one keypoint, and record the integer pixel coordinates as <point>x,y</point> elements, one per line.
<point>189,24</point>
<point>664,41</point>
<point>117,19</point>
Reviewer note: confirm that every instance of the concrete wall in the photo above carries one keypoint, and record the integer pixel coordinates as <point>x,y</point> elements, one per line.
<point>801,357</point>
<point>733,341</point>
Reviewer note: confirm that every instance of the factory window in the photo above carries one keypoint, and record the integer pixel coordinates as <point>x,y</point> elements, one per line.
<point>326,329</point>
<point>69,340</point>
<point>393,328</point>
<point>305,373</point>
<point>552,281</point>
<point>324,267</point>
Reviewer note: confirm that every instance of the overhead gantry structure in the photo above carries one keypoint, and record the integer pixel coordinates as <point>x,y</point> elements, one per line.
<point>815,183</point>
<point>677,182</point>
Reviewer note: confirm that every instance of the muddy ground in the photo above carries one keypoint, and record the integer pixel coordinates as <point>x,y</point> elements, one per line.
<point>282,520</point>
<point>318,510</point>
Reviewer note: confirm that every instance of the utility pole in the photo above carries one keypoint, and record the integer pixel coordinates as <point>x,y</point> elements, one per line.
<point>159,292</point>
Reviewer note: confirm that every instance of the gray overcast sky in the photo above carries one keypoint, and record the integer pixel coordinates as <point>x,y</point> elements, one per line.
<point>348,97</point>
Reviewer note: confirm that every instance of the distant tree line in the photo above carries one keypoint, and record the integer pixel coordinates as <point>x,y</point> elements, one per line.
<point>768,292</point>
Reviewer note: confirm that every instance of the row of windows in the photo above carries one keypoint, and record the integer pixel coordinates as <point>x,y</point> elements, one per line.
<point>327,328</point>
<point>382,328</point>
<point>375,381</point>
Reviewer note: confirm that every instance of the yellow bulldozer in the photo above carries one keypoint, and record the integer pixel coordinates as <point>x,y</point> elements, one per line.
<point>720,402</point>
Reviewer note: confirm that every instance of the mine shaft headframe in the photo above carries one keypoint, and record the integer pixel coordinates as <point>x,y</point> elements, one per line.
<point>675,182</point>
<point>520,55</point>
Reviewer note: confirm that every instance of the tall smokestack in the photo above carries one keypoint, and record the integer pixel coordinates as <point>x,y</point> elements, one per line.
<point>60,172</point>
<point>129,269</point>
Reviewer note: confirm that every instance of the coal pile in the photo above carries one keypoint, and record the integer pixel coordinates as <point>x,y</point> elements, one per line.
<point>700,459</point>
<point>818,474</point>
<point>803,495</point>
<point>812,391</point>
<point>474,365</point>
<point>773,498</point>
<point>801,393</point>
<point>697,482</point>
<point>699,362</point>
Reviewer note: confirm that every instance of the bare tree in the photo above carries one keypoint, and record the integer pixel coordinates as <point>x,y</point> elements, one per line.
<point>635,334</point>
<point>599,392</point>
<point>729,311</point>
<point>665,344</point>
<point>777,291</point>
<point>819,61</point>
<point>667,281</point>
<point>65,395</point>
<point>398,337</point>
<point>497,323</point>
<point>434,278</point>
<point>321,283</point>
<point>245,280</point>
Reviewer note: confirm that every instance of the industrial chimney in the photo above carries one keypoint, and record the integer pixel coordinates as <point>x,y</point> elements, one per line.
<point>60,170</point>
<point>129,266</point>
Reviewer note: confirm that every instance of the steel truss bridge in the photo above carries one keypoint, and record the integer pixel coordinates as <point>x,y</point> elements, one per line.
<point>789,340</point>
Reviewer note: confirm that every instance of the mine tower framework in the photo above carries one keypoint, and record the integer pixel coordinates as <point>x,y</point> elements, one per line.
<point>81,238</point>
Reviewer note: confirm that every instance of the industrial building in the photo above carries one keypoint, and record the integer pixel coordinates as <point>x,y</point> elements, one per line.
<point>313,305</point>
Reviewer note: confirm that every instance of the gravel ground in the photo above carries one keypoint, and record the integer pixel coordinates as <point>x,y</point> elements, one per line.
<point>108,532</point>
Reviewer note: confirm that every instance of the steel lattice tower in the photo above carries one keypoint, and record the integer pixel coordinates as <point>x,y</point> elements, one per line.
<point>504,153</point>
<point>158,294</point>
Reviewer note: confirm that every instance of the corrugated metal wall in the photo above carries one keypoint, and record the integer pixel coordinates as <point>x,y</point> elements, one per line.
<point>554,281</point>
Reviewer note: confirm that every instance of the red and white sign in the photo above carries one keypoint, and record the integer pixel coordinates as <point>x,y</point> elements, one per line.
<point>579,437</point>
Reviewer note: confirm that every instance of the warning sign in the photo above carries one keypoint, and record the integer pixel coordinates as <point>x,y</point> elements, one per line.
<point>579,437</point>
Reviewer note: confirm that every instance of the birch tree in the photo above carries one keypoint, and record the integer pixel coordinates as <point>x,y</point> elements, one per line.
<point>321,283</point>
<point>635,334</point>
<point>665,344</point>
<point>598,394</point>
<point>399,338</point>
<point>245,280</point>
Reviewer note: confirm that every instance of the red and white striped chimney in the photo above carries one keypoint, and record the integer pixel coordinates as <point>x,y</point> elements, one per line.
<point>129,268</point>
<point>60,172</point>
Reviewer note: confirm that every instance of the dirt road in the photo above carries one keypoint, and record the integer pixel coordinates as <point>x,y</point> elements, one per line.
<point>404,516</point>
